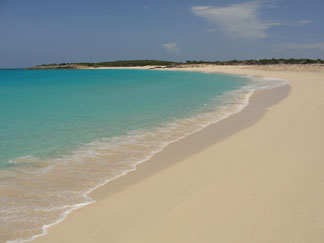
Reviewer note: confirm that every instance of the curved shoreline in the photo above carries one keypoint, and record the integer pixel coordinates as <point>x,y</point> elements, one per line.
<point>157,161</point>
<point>93,191</point>
<point>262,183</point>
<point>196,142</point>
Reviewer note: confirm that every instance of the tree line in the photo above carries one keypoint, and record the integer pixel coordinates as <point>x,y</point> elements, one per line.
<point>133,63</point>
<point>124,63</point>
<point>261,61</point>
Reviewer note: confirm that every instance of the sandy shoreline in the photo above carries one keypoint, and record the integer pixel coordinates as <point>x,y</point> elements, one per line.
<point>254,177</point>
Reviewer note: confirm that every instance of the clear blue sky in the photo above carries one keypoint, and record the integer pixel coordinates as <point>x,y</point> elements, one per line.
<point>42,31</point>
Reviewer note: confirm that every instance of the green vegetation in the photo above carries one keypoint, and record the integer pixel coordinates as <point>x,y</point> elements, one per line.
<point>128,63</point>
<point>133,63</point>
<point>261,62</point>
<point>124,63</point>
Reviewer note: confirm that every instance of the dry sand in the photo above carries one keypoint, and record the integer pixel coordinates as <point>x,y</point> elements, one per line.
<point>254,177</point>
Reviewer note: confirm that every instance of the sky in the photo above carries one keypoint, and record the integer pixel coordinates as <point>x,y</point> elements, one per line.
<point>36,32</point>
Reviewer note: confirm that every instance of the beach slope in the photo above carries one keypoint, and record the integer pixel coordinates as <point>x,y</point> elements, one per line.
<point>260,181</point>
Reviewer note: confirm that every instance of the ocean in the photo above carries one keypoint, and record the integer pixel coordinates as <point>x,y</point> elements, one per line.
<point>64,133</point>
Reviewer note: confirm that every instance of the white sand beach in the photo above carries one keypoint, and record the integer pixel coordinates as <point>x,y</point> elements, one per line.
<point>254,177</point>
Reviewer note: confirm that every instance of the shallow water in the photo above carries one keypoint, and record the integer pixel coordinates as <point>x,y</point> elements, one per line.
<point>65,132</point>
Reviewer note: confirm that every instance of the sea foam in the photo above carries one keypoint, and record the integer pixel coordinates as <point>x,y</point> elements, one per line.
<point>37,193</point>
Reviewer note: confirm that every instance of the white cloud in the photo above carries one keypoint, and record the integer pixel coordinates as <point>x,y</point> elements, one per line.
<point>304,21</point>
<point>171,47</point>
<point>319,46</point>
<point>211,30</point>
<point>237,20</point>
<point>301,22</point>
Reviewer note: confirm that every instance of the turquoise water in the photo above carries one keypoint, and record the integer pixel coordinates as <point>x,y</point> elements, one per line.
<point>47,113</point>
<point>63,133</point>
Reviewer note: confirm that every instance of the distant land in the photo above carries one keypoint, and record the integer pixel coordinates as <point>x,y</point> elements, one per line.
<point>142,63</point>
